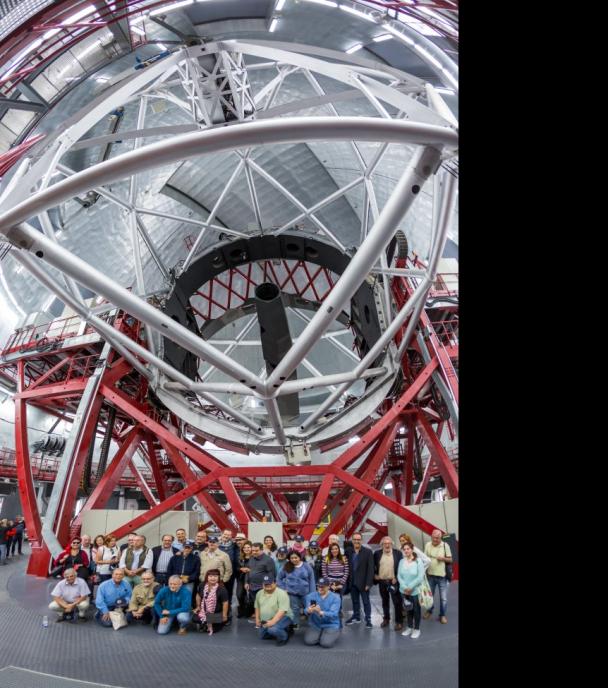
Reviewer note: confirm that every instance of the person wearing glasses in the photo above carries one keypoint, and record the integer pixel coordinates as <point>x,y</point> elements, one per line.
<point>73,557</point>
<point>361,561</point>
<point>141,603</point>
<point>70,597</point>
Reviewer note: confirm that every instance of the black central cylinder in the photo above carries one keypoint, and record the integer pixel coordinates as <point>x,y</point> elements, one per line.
<point>276,340</point>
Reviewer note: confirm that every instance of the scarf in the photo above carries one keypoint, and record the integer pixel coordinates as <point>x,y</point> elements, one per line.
<point>208,605</point>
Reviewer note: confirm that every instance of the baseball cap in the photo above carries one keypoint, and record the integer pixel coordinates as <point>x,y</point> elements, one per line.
<point>240,536</point>
<point>189,543</point>
<point>268,579</point>
<point>323,581</point>
<point>212,538</point>
<point>299,538</point>
<point>283,550</point>
<point>313,543</point>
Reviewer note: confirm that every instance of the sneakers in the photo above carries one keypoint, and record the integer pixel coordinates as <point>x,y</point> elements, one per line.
<point>368,624</point>
<point>408,631</point>
<point>443,619</point>
<point>251,621</point>
<point>427,615</point>
<point>282,642</point>
<point>352,621</point>
<point>415,634</point>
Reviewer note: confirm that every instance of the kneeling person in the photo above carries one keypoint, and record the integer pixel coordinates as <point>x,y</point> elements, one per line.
<point>273,615</point>
<point>323,611</point>
<point>211,603</point>
<point>112,594</point>
<point>70,593</point>
<point>173,602</point>
<point>142,599</point>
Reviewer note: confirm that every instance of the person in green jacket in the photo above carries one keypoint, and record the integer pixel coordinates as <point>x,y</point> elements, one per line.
<point>410,575</point>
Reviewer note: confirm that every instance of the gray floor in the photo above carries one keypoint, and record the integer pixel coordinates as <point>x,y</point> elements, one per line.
<point>136,657</point>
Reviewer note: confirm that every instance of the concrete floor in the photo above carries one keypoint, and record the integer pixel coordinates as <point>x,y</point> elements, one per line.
<point>136,657</point>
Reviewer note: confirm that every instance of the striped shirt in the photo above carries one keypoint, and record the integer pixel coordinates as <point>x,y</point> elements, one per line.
<point>336,570</point>
<point>163,560</point>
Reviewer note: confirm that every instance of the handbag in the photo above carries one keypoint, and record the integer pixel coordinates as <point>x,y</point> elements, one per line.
<point>425,596</point>
<point>118,619</point>
<point>449,571</point>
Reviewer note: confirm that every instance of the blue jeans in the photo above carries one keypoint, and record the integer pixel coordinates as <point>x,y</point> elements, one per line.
<point>442,583</point>
<point>356,596</point>
<point>278,631</point>
<point>3,553</point>
<point>297,603</point>
<point>183,619</point>
<point>100,621</point>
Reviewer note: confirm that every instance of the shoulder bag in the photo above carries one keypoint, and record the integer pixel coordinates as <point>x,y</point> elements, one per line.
<point>118,619</point>
<point>449,571</point>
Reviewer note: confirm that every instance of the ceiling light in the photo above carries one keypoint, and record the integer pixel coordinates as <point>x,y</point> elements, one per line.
<point>136,30</point>
<point>428,56</point>
<point>170,8</point>
<point>273,25</point>
<point>102,79</point>
<point>354,49</point>
<point>78,15</point>
<point>49,34</point>
<point>280,5</point>
<point>400,36</point>
<point>419,26</point>
<point>162,46</point>
<point>327,3</point>
<point>362,15</point>
<point>384,37</point>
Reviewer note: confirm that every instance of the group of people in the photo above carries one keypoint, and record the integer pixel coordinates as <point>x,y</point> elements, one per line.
<point>11,538</point>
<point>186,583</point>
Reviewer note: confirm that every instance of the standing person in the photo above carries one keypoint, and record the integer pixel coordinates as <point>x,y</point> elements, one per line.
<point>260,565</point>
<point>314,558</point>
<point>10,534</point>
<point>129,543</point>
<point>186,565</point>
<point>270,546</point>
<point>273,615</point>
<point>3,540</point>
<point>161,556</point>
<point>335,568</point>
<point>141,604</point>
<point>98,542</point>
<point>411,575</point>
<point>108,556</point>
<point>440,554</point>
<point>333,540</point>
<point>70,594</point>
<point>18,536</point>
<point>323,612</point>
<point>135,560</point>
<point>245,607</point>
<point>73,557</point>
<point>211,598</point>
<point>173,602</point>
<point>180,538</point>
<point>200,541</point>
<point>214,558</point>
<point>298,580</point>
<point>87,548</point>
<point>231,549</point>
<point>362,579</point>
<point>240,539</point>
<point>281,559</point>
<point>403,538</point>
<point>386,564</point>
<point>298,546</point>
<point>111,594</point>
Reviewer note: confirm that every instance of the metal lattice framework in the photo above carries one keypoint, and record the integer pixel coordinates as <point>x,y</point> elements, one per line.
<point>129,363</point>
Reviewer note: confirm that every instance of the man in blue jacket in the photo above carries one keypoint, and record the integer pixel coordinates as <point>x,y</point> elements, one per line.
<point>186,565</point>
<point>323,611</point>
<point>112,594</point>
<point>174,601</point>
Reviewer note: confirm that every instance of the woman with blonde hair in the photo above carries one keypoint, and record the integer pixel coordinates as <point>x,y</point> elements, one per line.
<point>108,556</point>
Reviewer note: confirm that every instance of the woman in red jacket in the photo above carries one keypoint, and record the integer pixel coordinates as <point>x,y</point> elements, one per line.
<point>73,557</point>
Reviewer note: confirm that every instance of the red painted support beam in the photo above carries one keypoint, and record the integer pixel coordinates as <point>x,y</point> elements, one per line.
<point>104,488</point>
<point>162,508</point>
<point>392,506</point>
<point>439,454</point>
<point>47,375</point>
<point>312,518</point>
<point>143,485</point>
<point>39,559</point>
<point>271,507</point>
<point>73,388</point>
<point>359,522</point>
<point>355,450</point>
<point>234,500</point>
<point>159,478</point>
<point>376,459</point>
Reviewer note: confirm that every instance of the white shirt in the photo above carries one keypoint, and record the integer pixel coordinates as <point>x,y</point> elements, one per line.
<point>70,592</point>
<point>136,554</point>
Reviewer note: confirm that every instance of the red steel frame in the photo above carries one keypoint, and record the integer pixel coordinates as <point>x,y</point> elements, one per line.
<point>347,488</point>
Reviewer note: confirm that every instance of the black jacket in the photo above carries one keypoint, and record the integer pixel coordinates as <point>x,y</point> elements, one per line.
<point>185,566</point>
<point>364,575</point>
<point>397,557</point>
<point>156,554</point>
